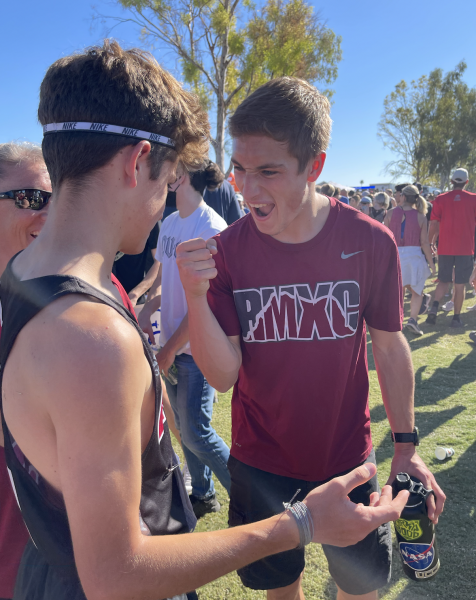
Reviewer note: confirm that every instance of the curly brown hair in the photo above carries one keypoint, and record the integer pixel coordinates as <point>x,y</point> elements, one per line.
<point>107,84</point>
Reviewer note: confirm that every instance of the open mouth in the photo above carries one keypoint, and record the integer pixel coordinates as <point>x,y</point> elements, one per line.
<point>34,234</point>
<point>261,211</point>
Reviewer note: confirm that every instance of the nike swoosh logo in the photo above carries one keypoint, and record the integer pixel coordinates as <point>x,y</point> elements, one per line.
<point>344,256</point>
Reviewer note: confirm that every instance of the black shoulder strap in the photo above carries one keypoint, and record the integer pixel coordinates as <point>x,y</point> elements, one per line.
<point>23,300</point>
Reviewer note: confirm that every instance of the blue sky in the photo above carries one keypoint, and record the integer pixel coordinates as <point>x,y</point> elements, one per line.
<point>383,42</point>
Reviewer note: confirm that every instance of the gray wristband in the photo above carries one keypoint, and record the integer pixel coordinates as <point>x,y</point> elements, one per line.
<point>304,522</point>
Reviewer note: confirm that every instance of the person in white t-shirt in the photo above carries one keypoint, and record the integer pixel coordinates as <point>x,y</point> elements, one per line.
<point>190,394</point>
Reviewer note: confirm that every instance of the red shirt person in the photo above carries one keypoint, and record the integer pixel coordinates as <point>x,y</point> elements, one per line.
<point>453,221</point>
<point>278,306</point>
<point>302,325</point>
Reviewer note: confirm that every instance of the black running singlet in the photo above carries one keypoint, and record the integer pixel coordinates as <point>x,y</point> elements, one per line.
<point>164,507</point>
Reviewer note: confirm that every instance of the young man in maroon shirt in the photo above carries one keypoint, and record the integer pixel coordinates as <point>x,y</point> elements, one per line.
<point>278,307</point>
<point>453,220</point>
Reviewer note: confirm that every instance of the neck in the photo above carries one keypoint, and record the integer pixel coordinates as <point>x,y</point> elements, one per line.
<point>187,202</point>
<point>310,220</point>
<point>80,237</point>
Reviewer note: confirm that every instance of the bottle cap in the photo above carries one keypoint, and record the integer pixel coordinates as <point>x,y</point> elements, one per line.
<point>403,482</point>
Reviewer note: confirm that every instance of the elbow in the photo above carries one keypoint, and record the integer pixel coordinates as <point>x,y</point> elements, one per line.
<point>223,388</point>
<point>222,385</point>
<point>108,583</point>
<point>223,380</point>
<point>107,590</point>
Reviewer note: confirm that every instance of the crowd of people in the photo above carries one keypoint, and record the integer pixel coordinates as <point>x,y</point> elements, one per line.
<point>415,220</point>
<point>121,213</point>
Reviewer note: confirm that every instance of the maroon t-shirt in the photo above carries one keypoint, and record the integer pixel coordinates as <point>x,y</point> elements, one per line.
<point>300,404</point>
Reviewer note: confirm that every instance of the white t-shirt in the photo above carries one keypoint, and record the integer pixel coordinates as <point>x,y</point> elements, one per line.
<point>204,223</point>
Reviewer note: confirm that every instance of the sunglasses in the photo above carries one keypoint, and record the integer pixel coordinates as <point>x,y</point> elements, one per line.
<point>29,199</point>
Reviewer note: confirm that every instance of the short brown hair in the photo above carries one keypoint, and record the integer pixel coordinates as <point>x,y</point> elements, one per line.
<point>289,110</point>
<point>106,84</point>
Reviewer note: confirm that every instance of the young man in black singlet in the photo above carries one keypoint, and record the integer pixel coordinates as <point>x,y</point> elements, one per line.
<point>85,438</point>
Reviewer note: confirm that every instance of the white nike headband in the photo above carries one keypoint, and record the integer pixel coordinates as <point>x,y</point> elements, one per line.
<point>103,128</point>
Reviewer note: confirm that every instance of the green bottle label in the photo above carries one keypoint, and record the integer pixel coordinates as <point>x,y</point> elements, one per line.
<point>409,530</point>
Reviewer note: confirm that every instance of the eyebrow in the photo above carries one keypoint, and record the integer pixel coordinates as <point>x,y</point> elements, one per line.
<point>268,166</point>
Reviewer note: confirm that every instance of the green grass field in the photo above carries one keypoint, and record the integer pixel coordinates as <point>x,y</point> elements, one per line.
<point>445,406</point>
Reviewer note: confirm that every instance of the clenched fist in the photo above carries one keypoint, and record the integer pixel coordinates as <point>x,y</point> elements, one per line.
<point>196,265</point>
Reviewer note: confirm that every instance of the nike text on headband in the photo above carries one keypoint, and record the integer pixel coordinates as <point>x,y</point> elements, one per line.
<point>103,128</point>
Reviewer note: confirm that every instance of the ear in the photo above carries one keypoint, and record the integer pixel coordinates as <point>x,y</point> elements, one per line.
<point>136,162</point>
<point>316,168</point>
<point>181,180</point>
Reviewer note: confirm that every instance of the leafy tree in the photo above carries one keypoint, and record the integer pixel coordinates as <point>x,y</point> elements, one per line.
<point>430,126</point>
<point>399,128</point>
<point>228,48</point>
<point>448,119</point>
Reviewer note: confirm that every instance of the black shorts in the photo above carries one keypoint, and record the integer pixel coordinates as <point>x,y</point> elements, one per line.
<point>256,495</point>
<point>463,268</point>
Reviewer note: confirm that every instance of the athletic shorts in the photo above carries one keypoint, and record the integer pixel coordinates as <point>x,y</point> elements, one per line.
<point>256,495</point>
<point>463,268</point>
<point>37,580</point>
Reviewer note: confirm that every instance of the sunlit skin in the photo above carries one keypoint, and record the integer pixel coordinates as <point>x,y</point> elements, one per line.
<point>133,199</point>
<point>19,227</point>
<point>282,201</point>
<point>399,198</point>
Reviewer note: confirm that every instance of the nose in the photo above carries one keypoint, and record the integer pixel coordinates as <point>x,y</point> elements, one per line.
<point>41,216</point>
<point>249,186</point>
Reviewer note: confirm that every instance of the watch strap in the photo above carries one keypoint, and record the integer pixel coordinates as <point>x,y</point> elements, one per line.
<point>406,438</point>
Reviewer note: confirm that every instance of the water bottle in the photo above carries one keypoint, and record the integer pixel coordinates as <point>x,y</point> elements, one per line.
<point>415,532</point>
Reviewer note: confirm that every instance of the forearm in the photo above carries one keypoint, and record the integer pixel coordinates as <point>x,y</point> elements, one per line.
<point>179,338</point>
<point>151,305</point>
<point>154,297</point>
<point>146,284</point>
<point>162,567</point>
<point>396,378</point>
<point>434,231</point>
<point>169,413</point>
<point>215,355</point>
<point>427,252</point>
<point>473,274</point>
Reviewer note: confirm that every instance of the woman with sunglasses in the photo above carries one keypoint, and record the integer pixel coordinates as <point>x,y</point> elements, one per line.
<point>25,190</point>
